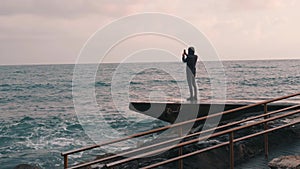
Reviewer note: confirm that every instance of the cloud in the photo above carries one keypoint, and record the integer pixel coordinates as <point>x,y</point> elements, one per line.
<point>39,27</point>
<point>257,4</point>
<point>63,8</point>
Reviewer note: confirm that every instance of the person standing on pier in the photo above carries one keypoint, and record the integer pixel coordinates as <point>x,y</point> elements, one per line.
<point>191,59</point>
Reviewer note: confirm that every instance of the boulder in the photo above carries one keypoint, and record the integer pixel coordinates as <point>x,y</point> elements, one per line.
<point>285,162</point>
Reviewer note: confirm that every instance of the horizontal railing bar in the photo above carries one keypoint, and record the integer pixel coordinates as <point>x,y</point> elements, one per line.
<point>176,125</point>
<point>187,155</point>
<point>280,98</point>
<point>256,117</point>
<point>202,138</point>
<point>266,131</point>
<point>264,121</point>
<point>180,138</point>
<point>155,151</point>
<point>214,147</point>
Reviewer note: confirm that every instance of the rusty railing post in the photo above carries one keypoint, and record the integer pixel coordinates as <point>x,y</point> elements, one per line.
<point>266,138</point>
<point>180,151</point>
<point>231,145</point>
<point>65,161</point>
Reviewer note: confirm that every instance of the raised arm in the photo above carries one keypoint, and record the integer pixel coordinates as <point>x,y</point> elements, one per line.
<point>184,55</point>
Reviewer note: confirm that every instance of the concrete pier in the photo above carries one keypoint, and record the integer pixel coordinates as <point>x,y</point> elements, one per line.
<point>169,112</point>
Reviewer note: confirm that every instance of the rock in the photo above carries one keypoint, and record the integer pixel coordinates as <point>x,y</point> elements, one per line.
<point>26,166</point>
<point>285,162</point>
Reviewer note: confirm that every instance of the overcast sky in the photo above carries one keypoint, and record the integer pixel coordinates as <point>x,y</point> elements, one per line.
<point>54,31</point>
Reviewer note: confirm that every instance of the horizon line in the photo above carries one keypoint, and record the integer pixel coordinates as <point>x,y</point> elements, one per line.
<point>224,60</point>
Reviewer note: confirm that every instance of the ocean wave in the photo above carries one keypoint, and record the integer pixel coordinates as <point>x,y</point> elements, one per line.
<point>102,84</point>
<point>27,118</point>
<point>25,86</point>
<point>4,85</point>
<point>136,83</point>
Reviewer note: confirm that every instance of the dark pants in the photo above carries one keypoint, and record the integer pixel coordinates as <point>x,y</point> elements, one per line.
<point>191,82</point>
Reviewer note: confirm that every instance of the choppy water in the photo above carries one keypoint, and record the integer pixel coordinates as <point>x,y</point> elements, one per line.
<point>38,120</point>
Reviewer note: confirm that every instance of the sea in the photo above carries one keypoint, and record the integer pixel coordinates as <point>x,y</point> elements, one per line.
<point>38,119</point>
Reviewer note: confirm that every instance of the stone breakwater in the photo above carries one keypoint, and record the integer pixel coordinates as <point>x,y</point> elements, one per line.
<point>285,162</point>
<point>219,158</point>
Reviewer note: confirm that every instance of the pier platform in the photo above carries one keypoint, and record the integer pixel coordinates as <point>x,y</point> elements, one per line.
<point>169,111</point>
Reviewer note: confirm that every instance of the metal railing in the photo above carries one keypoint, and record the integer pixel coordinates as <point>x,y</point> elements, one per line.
<point>179,158</point>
